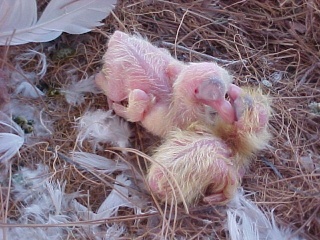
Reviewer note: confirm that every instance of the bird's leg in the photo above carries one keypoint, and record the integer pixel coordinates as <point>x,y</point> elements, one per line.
<point>223,187</point>
<point>138,103</point>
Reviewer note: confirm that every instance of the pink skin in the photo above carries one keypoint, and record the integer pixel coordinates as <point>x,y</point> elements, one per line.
<point>213,94</point>
<point>234,92</point>
<point>230,178</point>
<point>129,66</point>
<point>163,91</point>
<point>138,104</point>
<point>147,76</point>
<point>228,175</point>
<point>241,102</point>
<point>224,108</point>
<point>153,183</point>
<point>220,171</point>
<point>232,111</point>
<point>225,177</point>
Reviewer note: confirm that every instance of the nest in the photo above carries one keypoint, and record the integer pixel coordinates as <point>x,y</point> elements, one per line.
<point>273,45</point>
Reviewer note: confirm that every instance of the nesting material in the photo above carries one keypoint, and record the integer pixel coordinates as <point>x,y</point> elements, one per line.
<point>11,138</point>
<point>4,94</point>
<point>32,120</point>
<point>28,90</point>
<point>75,92</point>
<point>44,201</point>
<point>247,221</point>
<point>100,127</point>
<point>253,40</point>
<point>93,161</point>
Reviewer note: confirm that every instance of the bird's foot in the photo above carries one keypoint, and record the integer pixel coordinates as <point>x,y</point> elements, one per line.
<point>138,103</point>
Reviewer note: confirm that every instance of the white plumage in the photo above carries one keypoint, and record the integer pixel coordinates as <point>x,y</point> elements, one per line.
<point>100,126</point>
<point>93,161</point>
<point>11,138</point>
<point>19,25</point>
<point>247,221</point>
<point>75,92</point>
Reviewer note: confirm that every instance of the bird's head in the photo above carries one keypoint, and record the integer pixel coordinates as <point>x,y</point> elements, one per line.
<point>204,83</point>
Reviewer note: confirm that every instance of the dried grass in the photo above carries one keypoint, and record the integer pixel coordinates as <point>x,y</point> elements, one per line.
<point>269,37</point>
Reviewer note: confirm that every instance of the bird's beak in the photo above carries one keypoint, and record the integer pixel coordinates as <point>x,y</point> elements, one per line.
<point>224,109</point>
<point>212,92</point>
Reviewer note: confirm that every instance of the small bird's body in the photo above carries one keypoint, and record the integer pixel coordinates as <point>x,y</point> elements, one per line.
<point>131,62</point>
<point>162,92</point>
<point>208,161</point>
<point>197,159</point>
<point>190,161</point>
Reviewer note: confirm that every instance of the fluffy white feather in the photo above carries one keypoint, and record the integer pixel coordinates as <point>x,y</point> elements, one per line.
<point>17,14</point>
<point>114,232</point>
<point>19,23</point>
<point>247,221</point>
<point>98,162</point>
<point>30,55</point>
<point>103,127</point>
<point>28,183</point>
<point>18,76</point>
<point>26,89</point>
<point>118,197</point>
<point>75,92</point>
<point>11,138</point>
<point>19,233</point>
<point>24,82</point>
<point>45,202</point>
<point>56,193</point>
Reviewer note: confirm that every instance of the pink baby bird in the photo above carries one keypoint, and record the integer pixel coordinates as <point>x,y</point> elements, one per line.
<point>207,161</point>
<point>161,92</point>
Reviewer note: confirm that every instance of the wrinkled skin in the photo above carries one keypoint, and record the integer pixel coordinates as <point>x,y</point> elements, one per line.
<point>161,92</point>
<point>208,162</point>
